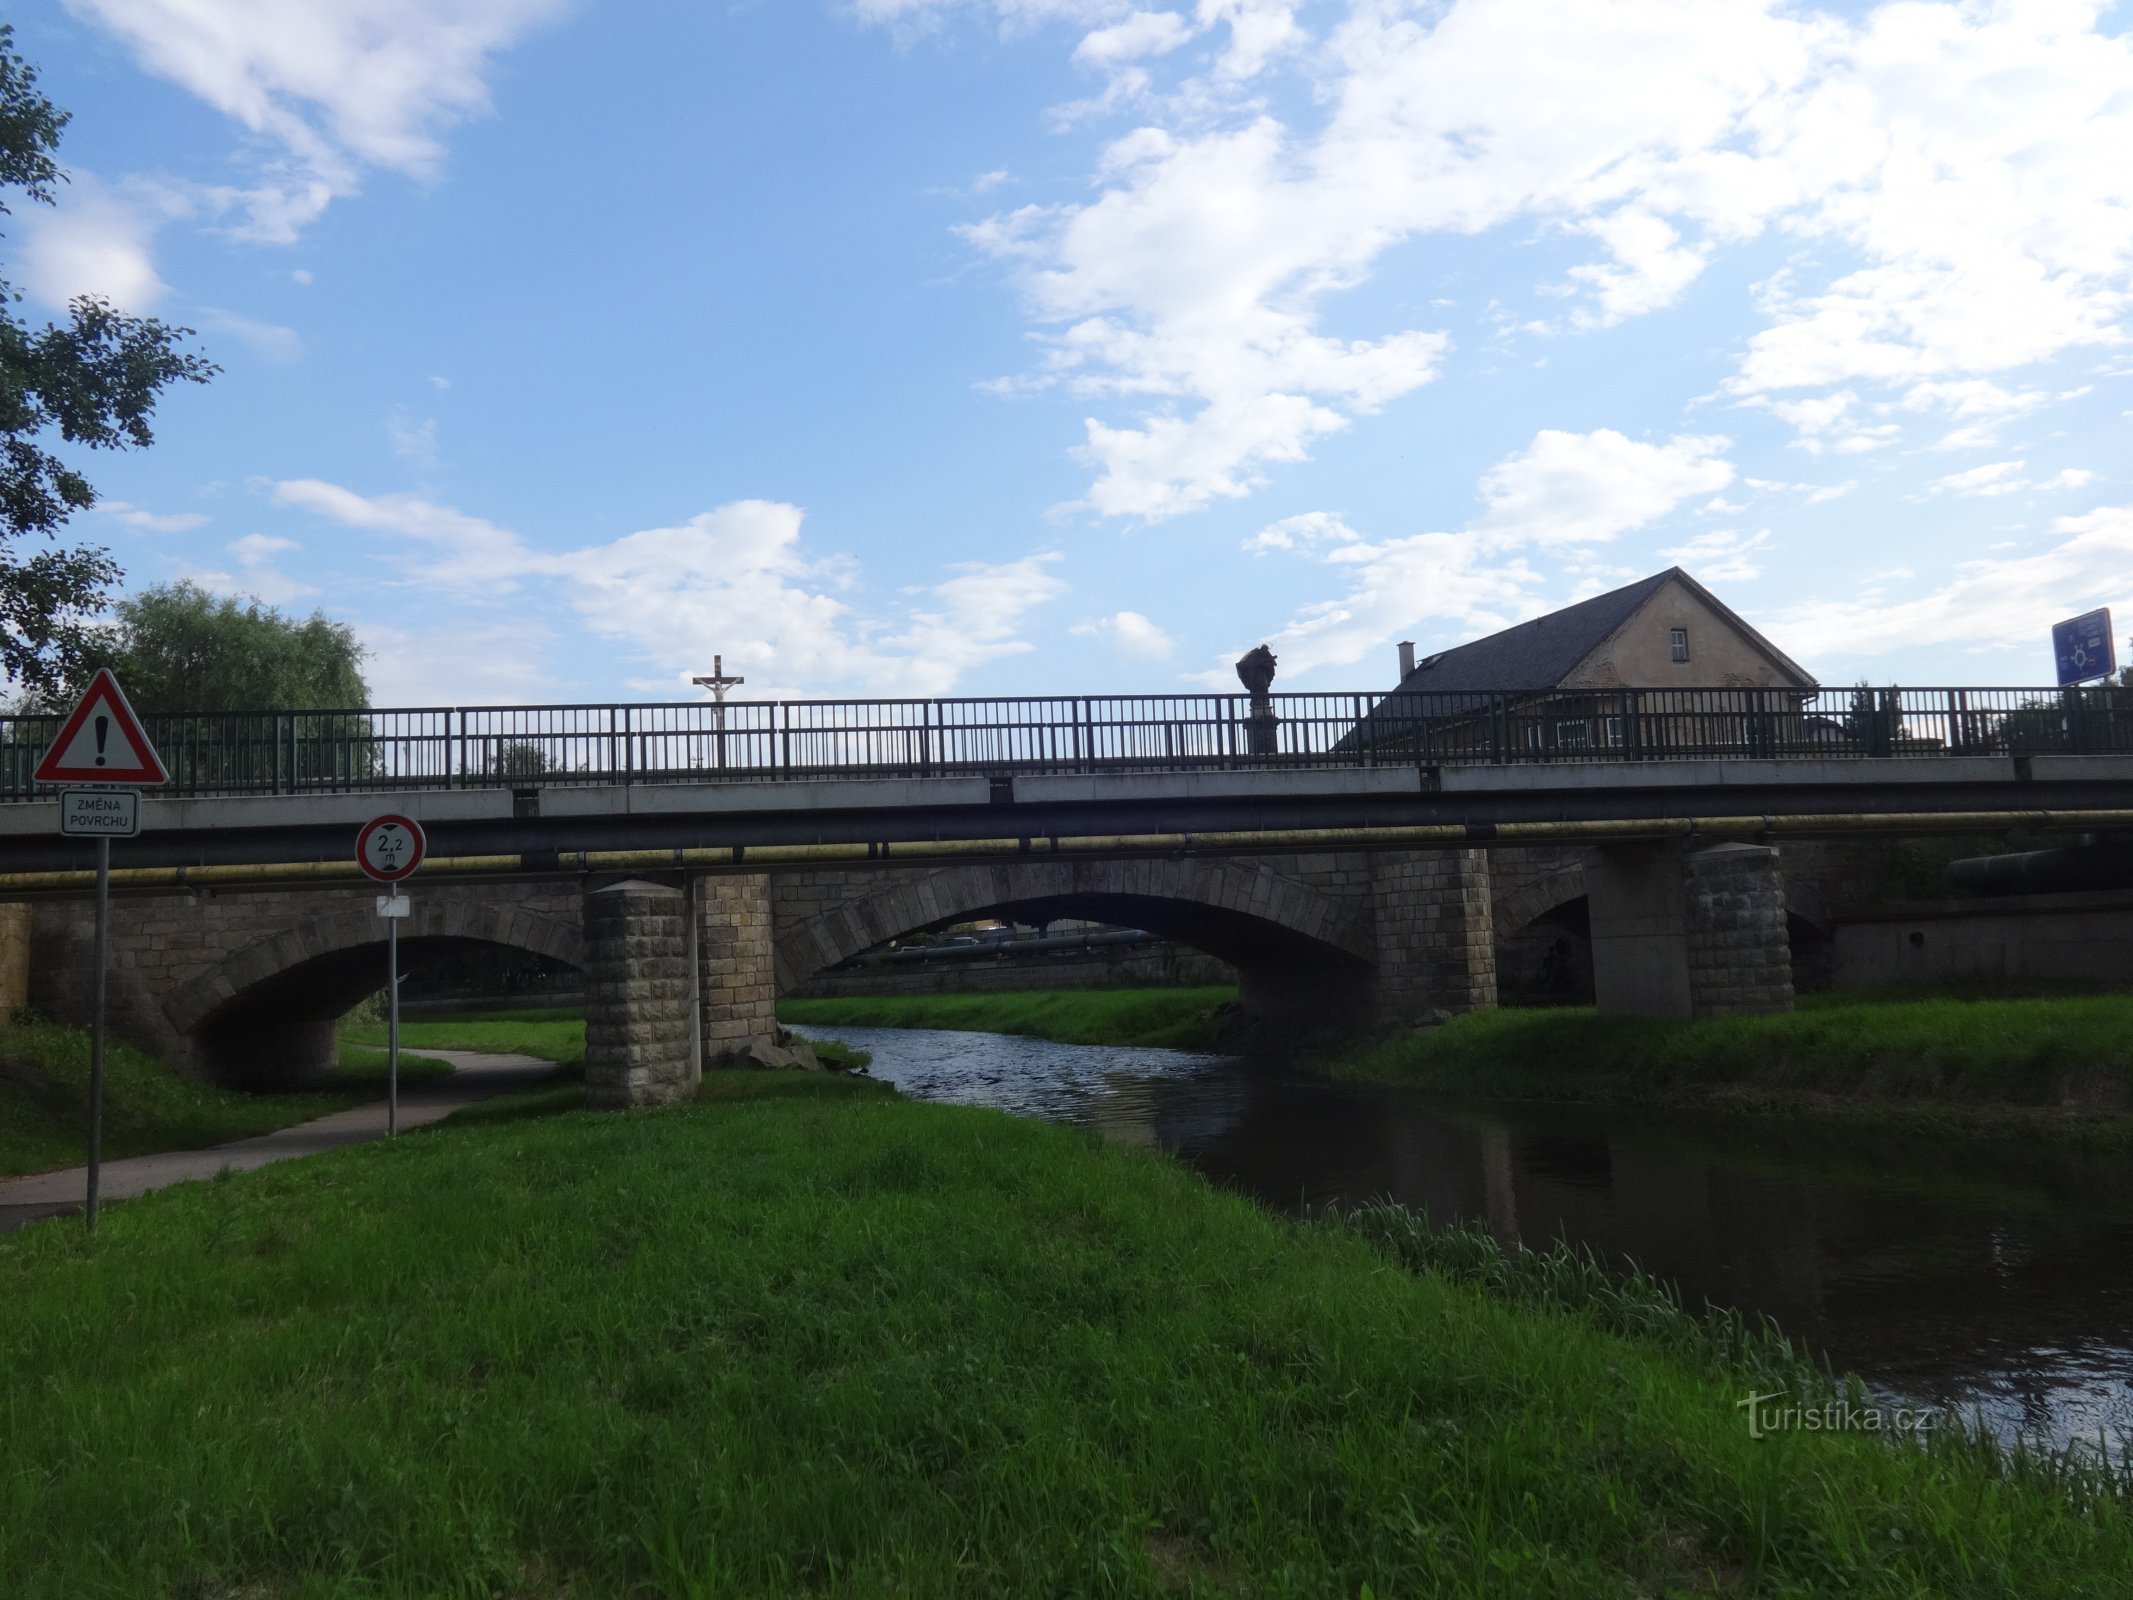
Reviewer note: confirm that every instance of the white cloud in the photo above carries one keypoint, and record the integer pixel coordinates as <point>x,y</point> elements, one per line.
<point>1992,478</point>
<point>1989,604</point>
<point>302,275</point>
<point>257,576</point>
<point>2069,478</point>
<point>150,521</point>
<point>267,340</point>
<point>1979,407</point>
<point>1934,166</point>
<point>1131,634</point>
<point>736,581</point>
<point>1145,33</point>
<point>1722,556</point>
<point>96,239</point>
<point>1830,423</point>
<point>1561,495</point>
<point>1310,528</point>
<point>415,443</point>
<point>469,663</point>
<point>340,87</point>
<point>1572,487</point>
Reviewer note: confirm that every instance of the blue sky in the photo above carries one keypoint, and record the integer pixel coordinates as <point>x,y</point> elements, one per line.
<point>1022,346</point>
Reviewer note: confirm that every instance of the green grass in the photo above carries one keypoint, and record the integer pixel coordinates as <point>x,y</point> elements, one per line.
<point>44,1100</point>
<point>557,1036</point>
<point>552,1035</point>
<point>1176,1019</point>
<point>806,1337</point>
<point>2052,1058</point>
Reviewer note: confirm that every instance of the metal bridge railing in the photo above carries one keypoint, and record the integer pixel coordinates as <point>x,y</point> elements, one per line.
<point>305,752</point>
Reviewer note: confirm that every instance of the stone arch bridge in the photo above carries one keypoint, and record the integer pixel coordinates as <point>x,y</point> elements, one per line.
<point>681,975</point>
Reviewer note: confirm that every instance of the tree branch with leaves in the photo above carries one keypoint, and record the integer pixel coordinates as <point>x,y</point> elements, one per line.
<point>92,382</point>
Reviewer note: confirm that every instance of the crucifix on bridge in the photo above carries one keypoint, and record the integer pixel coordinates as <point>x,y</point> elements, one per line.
<point>718,683</point>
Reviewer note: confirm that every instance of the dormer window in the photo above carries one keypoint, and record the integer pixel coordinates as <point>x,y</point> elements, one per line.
<point>1679,639</point>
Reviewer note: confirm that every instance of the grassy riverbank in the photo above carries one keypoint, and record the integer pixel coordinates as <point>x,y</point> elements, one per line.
<point>556,1035</point>
<point>44,1100</point>
<point>2040,1060</point>
<point>1175,1019</point>
<point>807,1337</point>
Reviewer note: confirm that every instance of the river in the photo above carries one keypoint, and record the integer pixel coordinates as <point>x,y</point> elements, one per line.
<point>1999,1283</point>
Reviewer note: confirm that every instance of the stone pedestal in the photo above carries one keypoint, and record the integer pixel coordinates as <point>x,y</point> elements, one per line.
<point>639,990</point>
<point>736,960</point>
<point>1436,933</point>
<point>1680,935</point>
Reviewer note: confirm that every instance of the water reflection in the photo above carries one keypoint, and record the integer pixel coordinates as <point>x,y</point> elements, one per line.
<point>1998,1283</point>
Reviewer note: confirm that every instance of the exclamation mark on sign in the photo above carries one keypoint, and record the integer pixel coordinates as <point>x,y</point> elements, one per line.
<point>103,734</point>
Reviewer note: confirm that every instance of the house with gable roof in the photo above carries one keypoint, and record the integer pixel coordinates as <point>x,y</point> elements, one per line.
<point>1659,666</point>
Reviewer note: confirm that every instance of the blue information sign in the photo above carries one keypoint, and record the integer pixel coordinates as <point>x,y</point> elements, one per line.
<point>2082,647</point>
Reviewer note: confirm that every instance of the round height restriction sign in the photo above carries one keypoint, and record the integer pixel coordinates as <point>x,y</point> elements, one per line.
<point>390,847</point>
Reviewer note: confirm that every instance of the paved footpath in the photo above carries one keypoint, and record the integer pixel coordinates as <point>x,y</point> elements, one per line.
<point>479,1077</point>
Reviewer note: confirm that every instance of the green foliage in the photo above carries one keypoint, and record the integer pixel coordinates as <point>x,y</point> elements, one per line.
<point>93,382</point>
<point>806,1338</point>
<point>1172,1019</point>
<point>515,758</point>
<point>179,648</point>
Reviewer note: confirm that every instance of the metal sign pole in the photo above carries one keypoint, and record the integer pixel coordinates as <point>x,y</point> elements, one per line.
<point>392,1023</point>
<point>96,1026</point>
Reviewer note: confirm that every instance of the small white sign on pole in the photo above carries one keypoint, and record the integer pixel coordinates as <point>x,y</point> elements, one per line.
<point>390,848</point>
<point>100,813</point>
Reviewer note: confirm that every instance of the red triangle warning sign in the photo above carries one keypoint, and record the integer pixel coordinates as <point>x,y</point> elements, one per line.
<point>102,742</point>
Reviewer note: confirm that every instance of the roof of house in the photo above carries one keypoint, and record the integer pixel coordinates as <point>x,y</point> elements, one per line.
<point>1539,654</point>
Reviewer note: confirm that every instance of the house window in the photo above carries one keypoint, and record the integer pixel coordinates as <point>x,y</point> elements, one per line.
<point>1614,733</point>
<point>1679,639</point>
<point>1570,735</point>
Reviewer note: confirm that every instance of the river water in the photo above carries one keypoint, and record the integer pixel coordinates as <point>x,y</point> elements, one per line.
<point>2000,1284</point>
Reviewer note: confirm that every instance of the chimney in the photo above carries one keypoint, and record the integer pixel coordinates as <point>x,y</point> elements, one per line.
<point>1407,659</point>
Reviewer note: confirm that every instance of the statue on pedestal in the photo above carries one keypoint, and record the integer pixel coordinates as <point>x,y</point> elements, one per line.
<point>1255,670</point>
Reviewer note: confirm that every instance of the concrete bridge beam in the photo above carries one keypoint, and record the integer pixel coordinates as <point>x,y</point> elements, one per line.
<point>1688,935</point>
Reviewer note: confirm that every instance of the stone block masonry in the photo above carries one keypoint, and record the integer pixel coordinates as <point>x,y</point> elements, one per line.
<point>1436,939</point>
<point>639,992</point>
<point>736,966</point>
<point>1740,956</point>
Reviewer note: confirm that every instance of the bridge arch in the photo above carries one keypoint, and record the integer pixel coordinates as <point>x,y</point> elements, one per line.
<point>1293,945</point>
<point>1543,944</point>
<point>267,1013</point>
